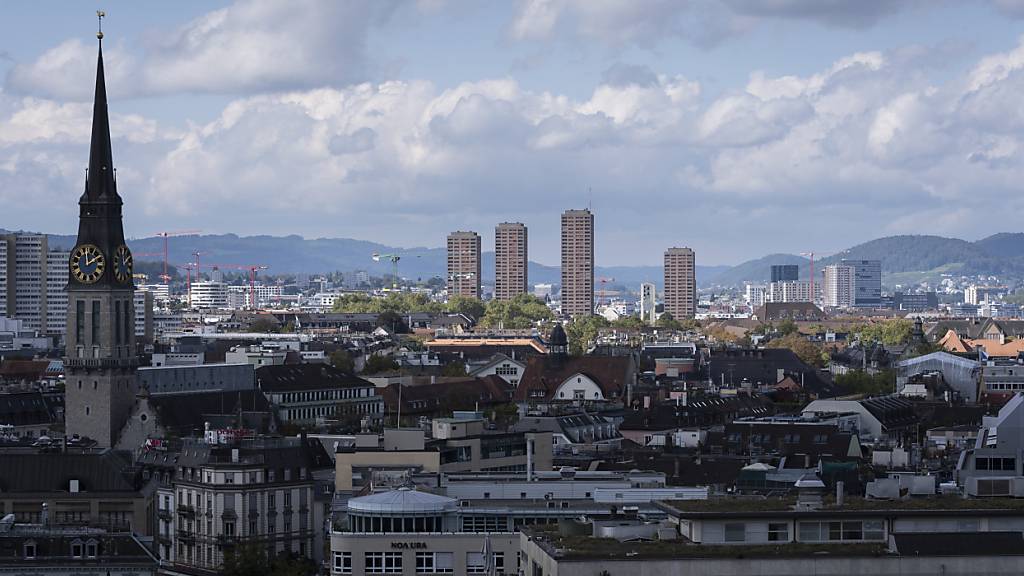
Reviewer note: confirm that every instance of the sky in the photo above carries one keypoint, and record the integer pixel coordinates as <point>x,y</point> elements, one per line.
<point>738,128</point>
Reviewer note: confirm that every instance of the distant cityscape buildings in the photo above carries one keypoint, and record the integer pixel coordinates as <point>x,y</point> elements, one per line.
<point>838,286</point>
<point>511,258</point>
<point>464,264</point>
<point>577,263</point>
<point>32,281</point>
<point>867,282</point>
<point>648,305</point>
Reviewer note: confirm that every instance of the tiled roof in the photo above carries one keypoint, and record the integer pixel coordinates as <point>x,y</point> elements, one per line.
<point>52,472</point>
<point>298,377</point>
<point>610,373</point>
<point>24,409</point>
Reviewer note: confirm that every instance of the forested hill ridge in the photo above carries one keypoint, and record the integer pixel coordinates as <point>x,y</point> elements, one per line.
<point>905,259</point>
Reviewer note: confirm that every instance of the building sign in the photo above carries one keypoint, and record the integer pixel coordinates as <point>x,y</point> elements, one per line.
<point>408,545</point>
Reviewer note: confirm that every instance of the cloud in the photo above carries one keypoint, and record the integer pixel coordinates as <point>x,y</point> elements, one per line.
<point>838,13</point>
<point>249,46</point>
<point>865,146</point>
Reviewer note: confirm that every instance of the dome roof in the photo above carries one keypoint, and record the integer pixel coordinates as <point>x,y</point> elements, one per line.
<point>402,500</point>
<point>558,337</point>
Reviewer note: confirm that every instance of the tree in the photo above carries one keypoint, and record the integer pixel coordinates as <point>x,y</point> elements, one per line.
<point>582,332</point>
<point>809,352</point>
<point>245,560</point>
<point>342,360</point>
<point>668,322</point>
<point>523,311</point>
<point>629,323</point>
<point>265,325</point>
<point>859,382</point>
<point>393,322</point>
<point>454,369</point>
<point>787,327</point>
<point>378,364</point>
<point>471,307</point>
<point>889,332</point>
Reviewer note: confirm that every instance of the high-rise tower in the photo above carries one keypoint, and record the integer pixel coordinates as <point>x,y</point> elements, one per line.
<point>577,263</point>
<point>101,361</point>
<point>464,264</point>
<point>680,283</point>
<point>510,260</point>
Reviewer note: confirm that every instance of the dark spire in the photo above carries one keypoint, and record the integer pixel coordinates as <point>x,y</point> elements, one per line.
<point>100,184</point>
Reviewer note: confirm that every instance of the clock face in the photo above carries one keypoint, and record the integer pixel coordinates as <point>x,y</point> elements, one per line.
<point>123,264</point>
<point>87,263</point>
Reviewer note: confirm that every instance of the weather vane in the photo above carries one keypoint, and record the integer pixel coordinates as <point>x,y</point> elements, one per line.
<point>99,16</point>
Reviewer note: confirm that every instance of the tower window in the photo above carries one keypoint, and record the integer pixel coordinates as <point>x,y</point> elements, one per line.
<point>87,410</point>
<point>79,323</point>
<point>117,322</point>
<point>95,322</point>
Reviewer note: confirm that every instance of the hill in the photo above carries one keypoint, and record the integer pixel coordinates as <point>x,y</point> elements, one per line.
<point>755,271</point>
<point>1003,245</point>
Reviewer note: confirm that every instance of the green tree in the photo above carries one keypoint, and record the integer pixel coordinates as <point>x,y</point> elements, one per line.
<point>668,322</point>
<point>892,332</point>
<point>378,364</point>
<point>393,322</point>
<point>245,560</point>
<point>523,311</point>
<point>471,307</point>
<point>454,369</point>
<point>342,360</point>
<point>582,332</point>
<point>859,382</point>
<point>809,352</point>
<point>629,323</point>
<point>265,325</point>
<point>787,327</point>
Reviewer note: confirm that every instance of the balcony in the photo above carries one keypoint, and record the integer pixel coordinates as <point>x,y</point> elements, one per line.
<point>187,511</point>
<point>185,536</point>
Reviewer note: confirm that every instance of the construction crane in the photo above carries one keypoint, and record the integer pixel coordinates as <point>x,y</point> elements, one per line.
<point>252,268</point>
<point>811,256</point>
<point>393,258</point>
<point>603,292</point>
<point>165,235</point>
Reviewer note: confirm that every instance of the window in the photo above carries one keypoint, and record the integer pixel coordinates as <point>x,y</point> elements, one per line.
<point>383,562</point>
<point>76,549</point>
<point>735,532</point>
<point>845,531</point>
<point>435,562</point>
<point>229,528</point>
<point>343,562</point>
<point>90,549</point>
<point>778,532</point>
<point>29,550</point>
<point>499,562</point>
<point>475,563</point>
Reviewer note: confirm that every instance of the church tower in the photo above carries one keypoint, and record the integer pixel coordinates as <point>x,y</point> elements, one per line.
<point>100,362</point>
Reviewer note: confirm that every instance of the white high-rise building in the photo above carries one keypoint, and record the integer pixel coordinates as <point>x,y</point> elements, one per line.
<point>161,293</point>
<point>789,292</point>
<point>648,294</point>
<point>33,279</point>
<point>206,294</point>
<point>755,295</point>
<point>839,286</point>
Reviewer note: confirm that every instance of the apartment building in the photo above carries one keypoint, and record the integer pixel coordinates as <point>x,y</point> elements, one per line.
<point>577,263</point>
<point>839,286</point>
<point>464,264</point>
<point>510,260</point>
<point>648,306</point>
<point>680,283</point>
<point>867,282</point>
<point>33,277</point>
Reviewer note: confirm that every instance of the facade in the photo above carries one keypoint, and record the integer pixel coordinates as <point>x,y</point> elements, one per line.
<point>867,282</point>
<point>648,306</point>
<point>101,359</point>
<point>915,301</point>
<point>978,295</point>
<point>680,283</point>
<point>207,294</point>
<point>303,393</point>
<point>785,272</point>
<point>755,295</point>
<point>577,293</point>
<point>993,466</point>
<point>255,492</point>
<point>33,276</point>
<point>839,286</point>
<point>464,264</point>
<point>511,259</point>
<point>789,292</point>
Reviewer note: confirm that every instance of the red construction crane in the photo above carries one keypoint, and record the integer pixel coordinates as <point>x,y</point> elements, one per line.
<point>165,236</point>
<point>604,281</point>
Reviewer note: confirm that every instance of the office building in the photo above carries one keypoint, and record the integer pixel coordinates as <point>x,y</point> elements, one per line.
<point>785,272</point>
<point>680,283</point>
<point>33,276</point>
<point>839,286</point>
<point>867,282</point>
<point>510,260</point>
<point>101,359</point>
<point>577,263</point>
<point>976,295</point>
<point>464,264</point>
<point>648,306</point>
<point>306,393</point>
<point>208,294</point>
<point>790,292</point>
<point>915,302</point>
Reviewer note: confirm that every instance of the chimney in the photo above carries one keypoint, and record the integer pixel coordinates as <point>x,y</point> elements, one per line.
<point>529,457</point>
<point>840,494</point>
<point>46,514</point>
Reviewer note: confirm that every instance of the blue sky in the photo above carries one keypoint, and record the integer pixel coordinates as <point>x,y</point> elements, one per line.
<point>735,127</point>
